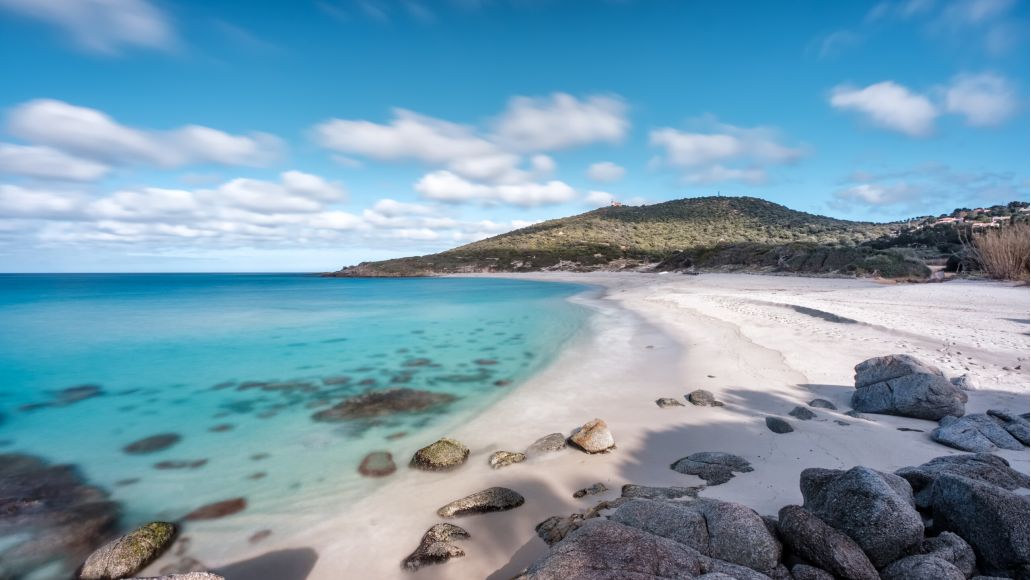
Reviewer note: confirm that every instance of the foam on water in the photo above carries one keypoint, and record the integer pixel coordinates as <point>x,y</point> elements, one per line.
<point>237,364</point>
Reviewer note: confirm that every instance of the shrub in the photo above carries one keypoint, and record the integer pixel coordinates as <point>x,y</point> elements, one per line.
<point>1004,252</point>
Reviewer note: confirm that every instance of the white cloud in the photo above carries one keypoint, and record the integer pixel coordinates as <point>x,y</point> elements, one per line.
<point>48,163</point>
<point>889,105</point>
<point>605,172</point>
<point>93,134</point>
<point>877,194</point>
<point>392,208</point>
<point>599,198</point>
<point>102,26</point>
<point>704,157</point>
<point>16,201</point>
<point>984,99</point>
<point>449,187</point>
<point>561,121</point>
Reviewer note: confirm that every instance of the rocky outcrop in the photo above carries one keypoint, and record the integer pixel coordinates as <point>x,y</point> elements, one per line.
<point>500,459</point>
<point>437,546</point>
<point>874,509</point>
<point>977,433</point>
<point>377,464</point>
<point>902,385</point>
<point>387,402</point>
<point>808,537</point>
<point>712,466</point>
<point>703,398</point>
<point>547,444</point>
<point>443,455</point>
<point>128,554</point>
<point>992,520</point>
<point>493,499</point>
<point>594,437</point>
<point>983,467</point>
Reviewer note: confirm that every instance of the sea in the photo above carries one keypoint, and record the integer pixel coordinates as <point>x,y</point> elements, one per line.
<point>169,392</point>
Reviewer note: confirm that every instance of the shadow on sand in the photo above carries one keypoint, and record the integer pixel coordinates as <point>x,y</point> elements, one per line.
<point>294,564</point>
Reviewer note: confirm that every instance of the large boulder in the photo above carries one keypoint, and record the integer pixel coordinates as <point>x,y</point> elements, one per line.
<point>492,499</point>
<point>977,433</point>
<point>437,546</point>
<point>678,522</point>
<point>737,534</point>
<point>983,467</point>
<point>902,385</point>
<point>594,437</point>
<point>443,455</point>
<point>921,567</point>
<point>875,509</point>
<point>814,541</point>
<point>953,549</point>
<point>602,549</point>
<point>1017,425</point>
<point>128,554</point>
<point>714,467</point>
<point>992,520</point>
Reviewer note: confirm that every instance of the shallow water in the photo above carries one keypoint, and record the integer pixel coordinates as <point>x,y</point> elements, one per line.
<point>236,365</point>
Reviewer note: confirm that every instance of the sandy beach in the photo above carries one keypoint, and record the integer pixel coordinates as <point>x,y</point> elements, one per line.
<point>744,338</point>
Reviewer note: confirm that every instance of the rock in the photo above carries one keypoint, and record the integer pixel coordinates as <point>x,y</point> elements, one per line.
<point>713,466</point>
<point>500,459</point>
<point>823,404</point>
<point>992,520</point>
<point>874,509</point>
<point>814,541</point>
<point>974,433</point>
<point>802,414</point>
<point>737,534</point>
<point>965,382</point>
<point>921,567</point>
<point>594,437</point>
<point>377,464</point>
<point>668,493</point>
<point>592,490</point>
<point>804,572</point>
<point>1015,424</point>
<point>716,576</point>
<point>983,467</point>
<point>128,554</point>
<point>153,443</point>
<point>547,444</point>
<point>856,415</point>
<point>703,398</point>
<point>778,425</point>
<point>902,385</point>
<point>724,569</point>
<point>677,522</point>
<point>51,518</point>
<point>492,499</point>
<point>668,402</point>
<point>219,509</point>
<point>606,550</point>
<point>436,546</point>
<point>187,576</point>
<point>444,455</point>
<point>953,549</point>
<point>556,528</point>
<point>387,402</point>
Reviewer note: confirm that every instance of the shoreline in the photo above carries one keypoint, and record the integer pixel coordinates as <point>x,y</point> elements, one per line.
<point>663,336</point>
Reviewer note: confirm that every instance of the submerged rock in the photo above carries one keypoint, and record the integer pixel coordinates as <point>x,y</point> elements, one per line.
<point>874,509</point>
<point>802,414</point>
<point>778,425</point>
<point>128,554</point>
<point>377,464</point>
<point>974,433</point>
<point>983,467</point>
<point>703,398</point>
<point>815,541</point>
<point>712,466</point>
<point>219,509</point>
<point>902,385</point>
<point>500,459</point>
<point>436,547</point>
<point>547,444</point>
<point>443,455</point>
<point>153,443</point>
<point>388,402</point>
<point>493,499</point>
<point>591,490</point>
<point>594,437</point>
<point>666,402</point>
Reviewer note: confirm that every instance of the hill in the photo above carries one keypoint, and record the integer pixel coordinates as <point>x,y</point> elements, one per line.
<point>706,233</point>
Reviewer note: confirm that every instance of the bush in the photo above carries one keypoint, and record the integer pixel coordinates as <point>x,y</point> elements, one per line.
<point>1004,252</point>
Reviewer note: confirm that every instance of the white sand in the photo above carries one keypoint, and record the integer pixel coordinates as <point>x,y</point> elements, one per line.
<point>662,336</point>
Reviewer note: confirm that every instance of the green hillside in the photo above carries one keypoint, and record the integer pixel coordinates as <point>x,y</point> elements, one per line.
<point>707,232</point>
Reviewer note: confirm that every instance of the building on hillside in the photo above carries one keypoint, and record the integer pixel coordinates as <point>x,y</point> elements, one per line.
<point>615,203</point>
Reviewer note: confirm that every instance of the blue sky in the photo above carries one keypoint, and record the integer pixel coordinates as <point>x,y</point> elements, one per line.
<point>139,135</point>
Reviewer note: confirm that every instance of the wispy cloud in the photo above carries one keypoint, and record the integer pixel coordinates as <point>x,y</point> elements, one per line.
<point>102,26</point>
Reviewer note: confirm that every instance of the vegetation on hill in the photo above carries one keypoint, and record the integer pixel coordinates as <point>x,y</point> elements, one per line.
<point>700,233</point>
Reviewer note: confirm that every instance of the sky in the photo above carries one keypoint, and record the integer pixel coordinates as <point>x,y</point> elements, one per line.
<point>222,136</point>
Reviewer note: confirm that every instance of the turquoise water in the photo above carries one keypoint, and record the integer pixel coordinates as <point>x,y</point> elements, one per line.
<point>237,364</point>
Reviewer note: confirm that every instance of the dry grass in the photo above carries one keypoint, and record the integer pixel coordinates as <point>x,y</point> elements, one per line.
<point>1004,252</point>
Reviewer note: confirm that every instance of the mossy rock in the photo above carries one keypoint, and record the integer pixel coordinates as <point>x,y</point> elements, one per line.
<point>444,455</point>
<point>130,553</point>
